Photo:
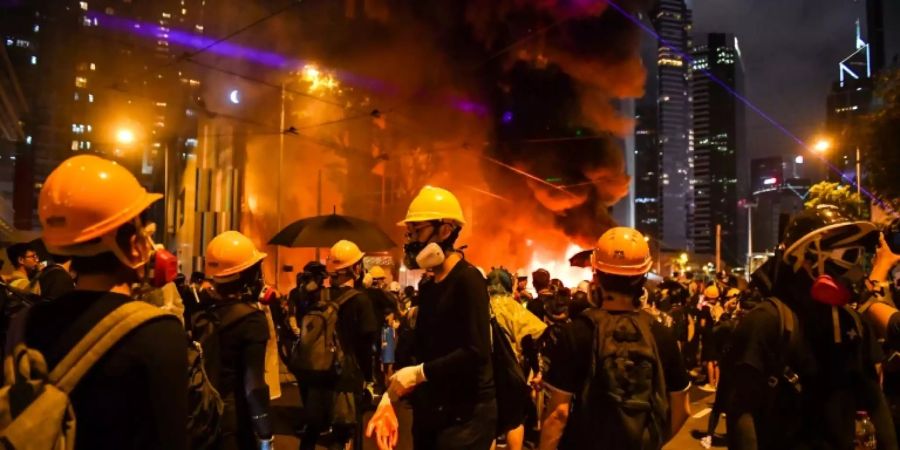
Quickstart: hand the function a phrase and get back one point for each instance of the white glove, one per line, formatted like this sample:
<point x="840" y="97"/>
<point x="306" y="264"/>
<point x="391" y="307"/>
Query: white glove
<point x="406" y="379"/>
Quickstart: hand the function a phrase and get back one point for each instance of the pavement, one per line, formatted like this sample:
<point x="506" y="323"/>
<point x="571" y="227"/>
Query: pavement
<point x="287" y="413"/>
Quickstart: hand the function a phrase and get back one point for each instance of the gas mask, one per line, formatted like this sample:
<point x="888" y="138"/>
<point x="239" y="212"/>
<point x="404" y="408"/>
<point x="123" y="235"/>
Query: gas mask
<point x="836" y="273"/>
<point x="428" y="255"/>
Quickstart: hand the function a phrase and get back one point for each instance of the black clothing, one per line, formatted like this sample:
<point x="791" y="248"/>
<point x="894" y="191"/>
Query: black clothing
<point x="571" y="355"/>
<point x="837" y="379"/>
<point x="134" y="397"/>
<point x="536" y="305"/>
<point x="569" y="359"/>
<point x="476" y="433"/>
<point x="242" y="375"/>
<point x="453" y="339"/>
<point x="55" y="282"/>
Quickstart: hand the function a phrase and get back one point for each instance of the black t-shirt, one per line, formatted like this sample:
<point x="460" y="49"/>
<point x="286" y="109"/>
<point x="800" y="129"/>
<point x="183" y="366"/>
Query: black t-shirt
<point x="569" y="357"/>
<point x="452" y="338"/>
<point x="833" y="376"/>
<point x="358" y="328"/>
<point x="134" y="397"/>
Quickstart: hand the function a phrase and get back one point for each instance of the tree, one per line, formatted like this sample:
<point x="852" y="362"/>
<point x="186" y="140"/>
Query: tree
<point x="881" y="140"/>
<point x="840" y="195"/>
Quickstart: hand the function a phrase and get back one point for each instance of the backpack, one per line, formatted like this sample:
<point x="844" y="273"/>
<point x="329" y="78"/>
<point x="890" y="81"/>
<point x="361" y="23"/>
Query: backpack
<point x="510" y="381"/>
<point x="205" y="405"/>
<point x="624" y="404"/>
<point x="317" y="355"/>
<point x="35" y="410"/>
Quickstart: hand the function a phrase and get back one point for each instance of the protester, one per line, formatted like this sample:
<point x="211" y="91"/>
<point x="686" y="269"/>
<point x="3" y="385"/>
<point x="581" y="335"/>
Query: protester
<point x="804" y="362"/>
<point x="540" y="280"/>
<point x="26" y="267"/>
<point x="722" y="336"/>
<point x="454" y="404"/>
<point x="710" y="310"/>
<point x="522" y="295"/>
<point x="135" y="396"/>
<point x="234" y="265"/>
<point x="334" y="398"/>
<point x="523" y="330"/>
<point x="637" y="398"/>
<point x="388" y="345"/>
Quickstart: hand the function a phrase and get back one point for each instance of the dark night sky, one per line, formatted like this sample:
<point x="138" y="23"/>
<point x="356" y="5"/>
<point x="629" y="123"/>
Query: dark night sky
<point x="790" y="50"/>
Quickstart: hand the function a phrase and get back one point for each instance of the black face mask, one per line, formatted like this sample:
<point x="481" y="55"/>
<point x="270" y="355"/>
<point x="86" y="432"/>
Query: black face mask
<point x="410" y="251"/>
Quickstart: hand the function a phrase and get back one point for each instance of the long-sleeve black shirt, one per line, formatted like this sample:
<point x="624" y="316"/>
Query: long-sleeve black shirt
<point x="134" y="397"/>
<point x="453" y="340"/>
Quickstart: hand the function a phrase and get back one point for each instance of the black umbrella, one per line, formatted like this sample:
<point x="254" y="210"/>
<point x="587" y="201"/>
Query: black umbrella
<point x="325" y="231"/>
<point x="581" y="259"/>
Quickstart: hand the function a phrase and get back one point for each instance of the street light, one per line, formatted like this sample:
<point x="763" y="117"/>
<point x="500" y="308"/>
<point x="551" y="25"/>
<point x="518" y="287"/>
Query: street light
<point x="124" y="136"/>
<point x="822" y="145"/>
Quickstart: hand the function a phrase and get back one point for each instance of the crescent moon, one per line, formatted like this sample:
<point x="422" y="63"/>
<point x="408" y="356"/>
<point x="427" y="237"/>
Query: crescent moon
<point x="234" y="96"/>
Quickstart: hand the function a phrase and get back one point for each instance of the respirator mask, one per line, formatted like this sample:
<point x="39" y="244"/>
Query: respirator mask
<point x="837" y="274"/>
<point x="428" y="255"/>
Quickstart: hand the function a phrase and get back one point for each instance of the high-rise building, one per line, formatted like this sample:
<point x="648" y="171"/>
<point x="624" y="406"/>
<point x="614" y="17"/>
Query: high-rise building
<point x="672" y="20"/>
<point x="776" y="195"/>
<point x="717" y="133"/>
<point x="849" y="99"/>
<point x="96" y="76"/>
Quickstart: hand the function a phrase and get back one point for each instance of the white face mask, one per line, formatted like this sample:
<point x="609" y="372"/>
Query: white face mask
<point x="431" y="256"/>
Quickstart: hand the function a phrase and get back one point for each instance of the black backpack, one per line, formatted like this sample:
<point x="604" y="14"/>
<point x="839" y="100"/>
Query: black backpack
<point x="317" y="355"/>
<point x="513" y="392"/>
<point x="205" y="405"/>
<point x="624" y="404"/>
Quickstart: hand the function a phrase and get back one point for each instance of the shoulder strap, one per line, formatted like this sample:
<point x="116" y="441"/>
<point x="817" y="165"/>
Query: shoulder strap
<point x="103" y="336"/>
<point x="345" y="296"/>
<point x="234" y="313"/>
<point x="788" y="340"/>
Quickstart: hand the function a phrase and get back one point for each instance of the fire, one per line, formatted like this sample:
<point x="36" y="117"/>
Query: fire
<point x="558" y="265"/>
<point x="317" y="79"/>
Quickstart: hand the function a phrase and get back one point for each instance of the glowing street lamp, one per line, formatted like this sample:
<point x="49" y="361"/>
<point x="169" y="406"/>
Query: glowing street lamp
<point x="822" y="145"/>
<point x="125" y="136"/>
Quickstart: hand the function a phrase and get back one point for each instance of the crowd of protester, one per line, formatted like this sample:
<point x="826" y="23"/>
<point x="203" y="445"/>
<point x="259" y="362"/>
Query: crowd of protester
<point x="98" y="325"/>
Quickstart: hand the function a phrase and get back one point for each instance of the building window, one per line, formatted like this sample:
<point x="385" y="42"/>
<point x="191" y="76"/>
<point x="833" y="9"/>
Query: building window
<point x="33" y="60"/>
<point x="83" y="5"/>
<point x="76" y="97"/>
<point x="109" y="11"/>
<point x="80" y="82"/>
<point x="89" y="129"/>
<point x="28" y="140"/>
<point x="93" y="66"/>
<point x="9" y="42"/>
<point x="90" y="98"/>
<point x="37" y="28"/>
<point x="22" y="43"/>
<point x="74" y="145"/>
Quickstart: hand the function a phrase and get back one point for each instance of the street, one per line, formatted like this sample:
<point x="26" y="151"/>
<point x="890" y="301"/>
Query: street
<point x="287" y="413"/>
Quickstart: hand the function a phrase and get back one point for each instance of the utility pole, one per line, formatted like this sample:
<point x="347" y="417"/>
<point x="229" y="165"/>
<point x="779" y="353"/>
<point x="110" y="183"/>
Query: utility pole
<point x="278" y="191"/>
<point x="718" y="247"/>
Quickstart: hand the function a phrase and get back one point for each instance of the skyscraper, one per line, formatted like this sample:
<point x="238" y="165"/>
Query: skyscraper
<point x="883" y="33"/>
<point x="848" y="100"/>
<point x="672" y="21"/>
<point x="717" y="119"/>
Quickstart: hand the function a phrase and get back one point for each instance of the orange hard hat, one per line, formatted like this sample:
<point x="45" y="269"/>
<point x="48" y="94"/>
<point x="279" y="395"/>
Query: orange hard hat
<point x="343" y="255"/>
<point x="712" y="291"/>
<point x="622" y="251"/>
<point x="85" y="198"/>
<point x="229" y="254"/>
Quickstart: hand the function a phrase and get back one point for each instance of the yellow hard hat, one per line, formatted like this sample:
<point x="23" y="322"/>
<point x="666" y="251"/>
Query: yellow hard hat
<point x="434" y="203"/>
<point x="622" y="251"/>
<point x="85" y="198"/>
<point x="343" y="255"/>
<point x="711" y="291"/>
<point x="377" y="273"/>
<point x="733" y="293"/>
<point x="229" y="254"/>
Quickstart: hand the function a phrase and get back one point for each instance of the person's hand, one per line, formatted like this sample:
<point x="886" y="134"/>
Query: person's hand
<point x="537" y="382"/>
<point x="406" y="379"/>
<point x="884" y="260"/>
<point x="383" y="426"/>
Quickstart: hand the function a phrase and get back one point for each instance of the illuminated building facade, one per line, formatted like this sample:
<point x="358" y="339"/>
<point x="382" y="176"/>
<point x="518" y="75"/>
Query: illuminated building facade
<point x="717" y="130"/>
<point x="672" y="20"/>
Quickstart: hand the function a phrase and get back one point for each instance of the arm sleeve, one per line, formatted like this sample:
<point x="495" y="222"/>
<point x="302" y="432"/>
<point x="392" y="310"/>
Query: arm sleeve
<point x="367" y="335"/>
<point x="253" y="358"/>
<point x="677" y="378"/>
<point x="163" y="350"/>
<point x="567" y="349"/>
<point x="475" y="330"/>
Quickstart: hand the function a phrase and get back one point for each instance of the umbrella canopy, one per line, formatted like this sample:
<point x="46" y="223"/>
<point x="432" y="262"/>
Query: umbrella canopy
<point x="325" y="231"/>
<point x="581" y="259"/>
